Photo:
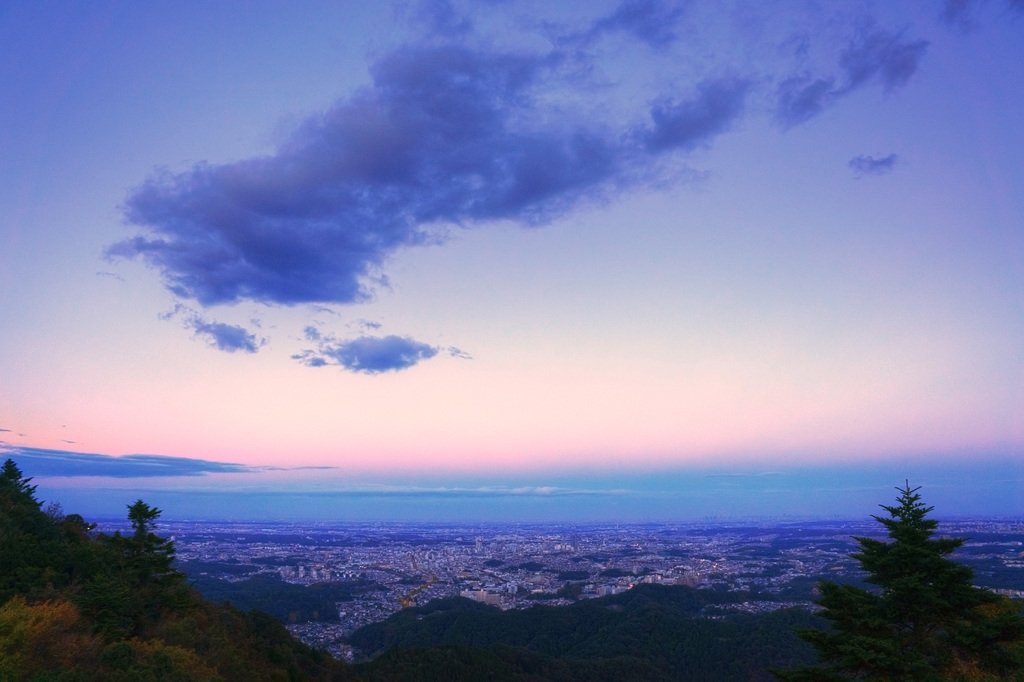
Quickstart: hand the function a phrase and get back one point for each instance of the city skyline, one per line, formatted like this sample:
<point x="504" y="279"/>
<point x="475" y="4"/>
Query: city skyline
<point x="514" y="260"/>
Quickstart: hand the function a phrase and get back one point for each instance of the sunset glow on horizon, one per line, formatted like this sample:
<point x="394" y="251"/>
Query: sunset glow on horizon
<point x="492" y="246"/>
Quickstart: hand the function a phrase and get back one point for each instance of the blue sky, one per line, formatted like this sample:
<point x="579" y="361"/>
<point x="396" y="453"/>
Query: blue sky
<point x="561" y="253"/>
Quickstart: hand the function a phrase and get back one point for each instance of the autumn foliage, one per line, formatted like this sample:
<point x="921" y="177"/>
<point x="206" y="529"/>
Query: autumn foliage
<point x="80" y="606"/>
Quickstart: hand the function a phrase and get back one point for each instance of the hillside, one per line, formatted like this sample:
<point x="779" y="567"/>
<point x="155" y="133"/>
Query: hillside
<point x="651" y="631"/>
<point x="82" y="606"/>
<point x="76" y="606"/>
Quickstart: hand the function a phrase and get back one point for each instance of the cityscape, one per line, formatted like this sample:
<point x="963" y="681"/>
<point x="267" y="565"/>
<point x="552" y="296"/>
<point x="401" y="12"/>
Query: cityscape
<point x="384" y="568"/>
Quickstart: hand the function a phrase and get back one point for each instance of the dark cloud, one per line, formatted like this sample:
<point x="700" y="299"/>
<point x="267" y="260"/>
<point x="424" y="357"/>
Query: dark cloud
<point x="872" y="55"/>
<point x="435" y="139"/>
<point x="651" y="21"/>
<point x="5" y="430"/>
<point x="225" y="337"/>
<point x="869" y="165"/>
<point x="693" y="123"/>
<point x="45" y="462"/>
<point x="446" y="135"/>
<point x="369" y="354"/>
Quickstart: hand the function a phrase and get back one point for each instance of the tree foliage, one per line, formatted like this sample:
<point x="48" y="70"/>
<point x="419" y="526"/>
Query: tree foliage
<point x="80" y="607"/>
<point x="651" y="632"/>
<point x="924" y="621"/>
<point x="34" y="555"/>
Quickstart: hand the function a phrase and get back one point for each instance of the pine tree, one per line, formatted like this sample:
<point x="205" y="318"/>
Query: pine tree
<point x="925" y="621"/>
<point x="138" y="583"/>
<point x="153" y="556"/>
<point x="13" y="483"/>
<point x="33" y="554"/>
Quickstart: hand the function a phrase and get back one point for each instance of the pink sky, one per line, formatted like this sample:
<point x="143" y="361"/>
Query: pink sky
<point x="700" y="236"/>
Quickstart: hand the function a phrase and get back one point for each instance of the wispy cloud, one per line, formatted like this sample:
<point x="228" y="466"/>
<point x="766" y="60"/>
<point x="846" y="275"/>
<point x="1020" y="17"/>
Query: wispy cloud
<point x="458" y="353"/>
<point x="878" y="54"/>
<point x="959" y="13"/>
<point x="225" y="337"/>
<point x="964" y="15"/>
<point x="873" y="54"/>
<point x="440" y="18"/>
<point x="220" y="335"/>
<point x="46" y="462"/>
<point x="650" y="21"/>
<point x="801" y="98"/>
<point x="870" y="165"/>
<point x="468" y="491"/>
<point x="695" y="122"/>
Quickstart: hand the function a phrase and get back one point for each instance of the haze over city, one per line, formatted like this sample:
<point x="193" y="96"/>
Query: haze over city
<point x="513" y="261"/>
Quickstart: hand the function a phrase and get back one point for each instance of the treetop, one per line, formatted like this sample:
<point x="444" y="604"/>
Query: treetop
<point x="143" y="517"/>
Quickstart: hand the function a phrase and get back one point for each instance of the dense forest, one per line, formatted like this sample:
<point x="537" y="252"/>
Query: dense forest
<point x="652" y="631"/>
<point x="287" y="602"/>
<point x="81" y="606"/>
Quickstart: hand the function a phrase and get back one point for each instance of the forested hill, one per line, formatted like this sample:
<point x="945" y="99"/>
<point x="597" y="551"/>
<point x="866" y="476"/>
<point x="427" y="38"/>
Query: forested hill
<point x="76" y="606"/>
<point x="81" y="606"/>
<point x="649" y="632"/>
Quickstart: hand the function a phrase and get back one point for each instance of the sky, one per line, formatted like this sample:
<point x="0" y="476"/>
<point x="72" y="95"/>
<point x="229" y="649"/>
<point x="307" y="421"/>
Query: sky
<point x="437" y="260"/>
